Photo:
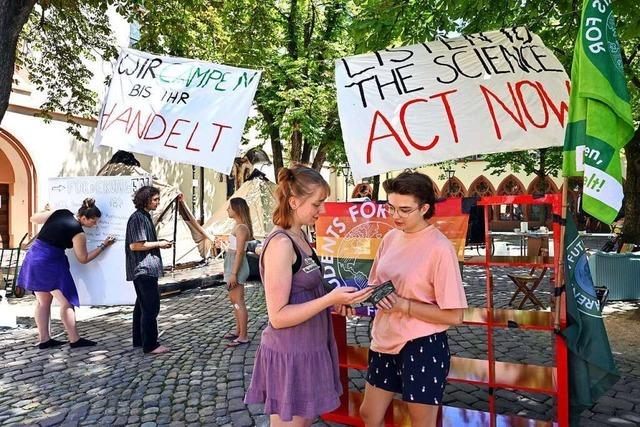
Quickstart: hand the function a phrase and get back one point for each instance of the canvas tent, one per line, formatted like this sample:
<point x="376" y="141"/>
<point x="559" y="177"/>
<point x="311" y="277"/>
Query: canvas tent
<point x="192" y="242"/>
<point x="260" y="196"/>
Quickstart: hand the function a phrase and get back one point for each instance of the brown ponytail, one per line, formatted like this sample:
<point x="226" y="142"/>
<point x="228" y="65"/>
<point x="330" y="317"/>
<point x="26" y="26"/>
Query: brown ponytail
<point x="89" y="209"/>
<point x="299" y="181"/>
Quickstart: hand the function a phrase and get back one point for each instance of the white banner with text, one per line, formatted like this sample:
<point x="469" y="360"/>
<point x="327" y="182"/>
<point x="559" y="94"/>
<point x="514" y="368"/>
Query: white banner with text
<point x="178" y="109"/>
<point x="416" y="105"/>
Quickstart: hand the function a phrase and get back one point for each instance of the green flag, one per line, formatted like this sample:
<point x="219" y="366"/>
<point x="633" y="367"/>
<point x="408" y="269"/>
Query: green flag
<point x="600" y="121"/>
<point x="591" y="367"/>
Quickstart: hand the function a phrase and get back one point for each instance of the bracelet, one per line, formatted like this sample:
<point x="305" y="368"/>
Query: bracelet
<point x="102" y="246"/>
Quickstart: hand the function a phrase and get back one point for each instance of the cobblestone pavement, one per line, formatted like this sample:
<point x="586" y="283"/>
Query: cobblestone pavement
<point x="201" y="382"/>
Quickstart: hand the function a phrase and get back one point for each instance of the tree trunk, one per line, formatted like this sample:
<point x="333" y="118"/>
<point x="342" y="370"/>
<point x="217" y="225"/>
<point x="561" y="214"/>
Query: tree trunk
<point x="631" y="230"/>
<point x="320" y="157"/>
<point x="306" y="152"/>
<point x="274" y="137"/>
<point x="13" y="16"/>
<point x="295" y="153"/>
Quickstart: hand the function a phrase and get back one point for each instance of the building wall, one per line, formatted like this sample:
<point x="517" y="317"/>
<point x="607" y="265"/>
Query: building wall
<point x="466" y="174"/>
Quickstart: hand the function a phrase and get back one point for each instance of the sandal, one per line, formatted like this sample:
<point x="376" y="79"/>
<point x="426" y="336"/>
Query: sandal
<point x="236" y="343"/>
<point x="230" y="336"/>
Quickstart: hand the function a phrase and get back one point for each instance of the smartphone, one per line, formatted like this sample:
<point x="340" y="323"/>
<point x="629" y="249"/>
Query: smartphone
<point x="380" y="292"/>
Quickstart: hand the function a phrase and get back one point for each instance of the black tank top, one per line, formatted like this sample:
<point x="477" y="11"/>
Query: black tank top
<point x="60" y="229"/>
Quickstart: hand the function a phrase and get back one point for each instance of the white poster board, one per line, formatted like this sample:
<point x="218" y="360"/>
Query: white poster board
<point x="451" y="98"/>
<point x="178" y="109"/>
<point x="103" y="280"/>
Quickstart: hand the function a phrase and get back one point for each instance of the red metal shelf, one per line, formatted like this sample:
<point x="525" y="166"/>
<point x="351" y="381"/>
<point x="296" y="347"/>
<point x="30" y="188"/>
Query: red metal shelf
<point x="449" y="416"/>
<point x="508" y="318"/>
<point x="515" y="376"/>
<point x="511" y="261"/>
<point x="487" y="373"/>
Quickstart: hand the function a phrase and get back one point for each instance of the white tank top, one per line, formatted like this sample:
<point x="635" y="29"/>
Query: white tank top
<point x="233" y="243"/>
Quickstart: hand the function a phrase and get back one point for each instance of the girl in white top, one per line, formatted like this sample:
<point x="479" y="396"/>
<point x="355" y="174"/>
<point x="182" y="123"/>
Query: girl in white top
<point x="236" y="267"/>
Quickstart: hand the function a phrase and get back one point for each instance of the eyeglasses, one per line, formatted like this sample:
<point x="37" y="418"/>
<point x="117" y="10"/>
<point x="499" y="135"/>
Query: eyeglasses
<point x="402" y="212"/>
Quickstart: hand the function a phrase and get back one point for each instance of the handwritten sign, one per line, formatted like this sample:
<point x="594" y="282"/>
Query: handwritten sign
<point x="483" y="93"/>
<point x="176" y="108"/>
<point x="103" y="280"/>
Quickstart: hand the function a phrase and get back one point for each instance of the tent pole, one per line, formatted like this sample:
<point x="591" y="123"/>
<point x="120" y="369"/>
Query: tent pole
<point x="175" y="233"/>
<point x="201" y="195"/>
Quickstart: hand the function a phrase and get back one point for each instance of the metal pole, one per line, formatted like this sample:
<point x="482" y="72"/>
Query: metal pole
<point x="193" y="188"/>
<point x="560" y="314"/>
<point x="175" y="232"/>
<point x="201" y="195"/>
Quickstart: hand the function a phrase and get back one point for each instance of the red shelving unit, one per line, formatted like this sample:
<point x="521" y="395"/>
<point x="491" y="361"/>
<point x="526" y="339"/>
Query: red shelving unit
<point x="482" y="372"/>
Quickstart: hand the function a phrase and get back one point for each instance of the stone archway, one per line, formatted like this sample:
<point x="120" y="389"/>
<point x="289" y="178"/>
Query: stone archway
<point x="23" y="191"/>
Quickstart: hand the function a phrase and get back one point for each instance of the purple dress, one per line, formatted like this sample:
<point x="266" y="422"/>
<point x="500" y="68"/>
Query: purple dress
<point x="296" y="368"/>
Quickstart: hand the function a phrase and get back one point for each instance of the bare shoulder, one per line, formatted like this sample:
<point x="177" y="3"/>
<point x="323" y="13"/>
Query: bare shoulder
<point x="241" y="228"/>
<point x="280" y="244"/>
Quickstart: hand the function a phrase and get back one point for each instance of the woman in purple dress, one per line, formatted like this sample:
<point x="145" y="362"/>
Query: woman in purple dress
<point x="296" y="370"/>
<point x="45" y="270"/>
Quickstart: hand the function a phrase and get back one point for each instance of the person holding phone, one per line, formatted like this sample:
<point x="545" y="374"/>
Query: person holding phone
<point x="144" y="267"/>
<point x="409" y="353"/>
<point x="296" y="365"/>
<point x="45" y="270"/>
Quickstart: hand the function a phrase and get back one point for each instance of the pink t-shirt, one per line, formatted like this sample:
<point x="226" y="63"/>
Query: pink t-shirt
<point x="423" y="266"/>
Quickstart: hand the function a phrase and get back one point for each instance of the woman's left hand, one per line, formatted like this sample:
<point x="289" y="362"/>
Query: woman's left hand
<point x="393" y="303"/>
<point x="233" y="281"/>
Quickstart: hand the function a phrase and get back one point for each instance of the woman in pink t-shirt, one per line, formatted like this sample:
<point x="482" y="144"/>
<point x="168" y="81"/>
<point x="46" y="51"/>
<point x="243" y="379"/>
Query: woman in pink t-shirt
<point x="409" y="353"/>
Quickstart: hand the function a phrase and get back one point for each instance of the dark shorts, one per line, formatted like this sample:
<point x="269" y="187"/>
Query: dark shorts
<point x="419" y="372"/>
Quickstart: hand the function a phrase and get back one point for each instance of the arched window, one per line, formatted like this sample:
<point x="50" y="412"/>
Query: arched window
<point x="510" y="186"/>
<point x="453" y="188"/>
<point x="541" y="213"/>
<point x="481" y="187"/>
<point x="542" y="186"/>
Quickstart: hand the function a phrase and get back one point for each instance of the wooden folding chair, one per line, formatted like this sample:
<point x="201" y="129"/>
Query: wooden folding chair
<point x="528" y="283"/>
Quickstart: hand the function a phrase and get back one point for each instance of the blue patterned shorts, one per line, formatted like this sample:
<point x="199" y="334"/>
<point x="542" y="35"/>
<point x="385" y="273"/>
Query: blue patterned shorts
<point x="419" y="372"/>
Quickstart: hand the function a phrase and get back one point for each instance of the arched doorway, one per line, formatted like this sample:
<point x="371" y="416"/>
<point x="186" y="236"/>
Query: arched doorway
<point x="7" y="180"/>
<point x="22" y="192"/>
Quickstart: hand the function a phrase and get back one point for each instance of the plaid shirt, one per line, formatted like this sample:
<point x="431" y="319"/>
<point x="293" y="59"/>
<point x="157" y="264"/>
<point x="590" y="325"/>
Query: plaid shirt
<point x="142" y="263"/>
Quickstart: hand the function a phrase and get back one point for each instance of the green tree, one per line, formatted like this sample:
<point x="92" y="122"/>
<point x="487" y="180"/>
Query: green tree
<point x="292" y="41"/>
<point x="383" y="23"/>
<point x="54" y="40"/>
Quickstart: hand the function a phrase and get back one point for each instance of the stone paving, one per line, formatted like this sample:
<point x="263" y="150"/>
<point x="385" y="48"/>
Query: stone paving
<point x="201" y="382"/>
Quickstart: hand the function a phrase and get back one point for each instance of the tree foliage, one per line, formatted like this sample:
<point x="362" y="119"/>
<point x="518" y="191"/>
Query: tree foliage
<point x="383" y="23"/>
<point x="295" y="43"/>
<point x="292" y="41"/>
